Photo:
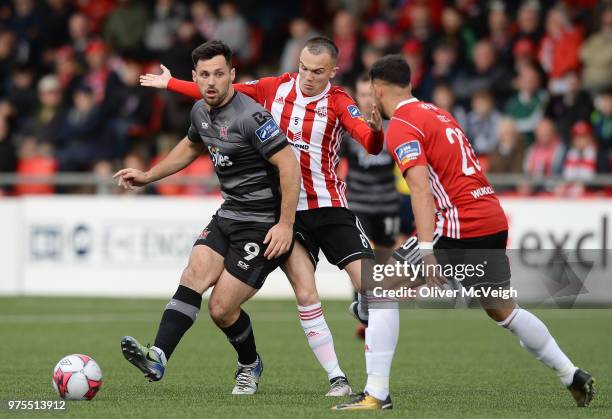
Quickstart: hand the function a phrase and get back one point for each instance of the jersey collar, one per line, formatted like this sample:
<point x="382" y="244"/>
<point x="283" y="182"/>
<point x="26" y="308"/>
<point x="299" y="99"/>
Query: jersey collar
<point x="309" y="99"/>
<point x="405" y="102"/>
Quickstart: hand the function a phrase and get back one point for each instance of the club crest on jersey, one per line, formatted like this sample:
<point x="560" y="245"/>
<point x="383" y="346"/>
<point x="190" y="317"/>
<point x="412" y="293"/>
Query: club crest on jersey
<point x="354" y="111"/>
<point x="204" y="234"/>
<point x="268" y="130"/>
<point x="408" y="151"/>
<point x="321" y="111"/>
<point x="223" y="133"/>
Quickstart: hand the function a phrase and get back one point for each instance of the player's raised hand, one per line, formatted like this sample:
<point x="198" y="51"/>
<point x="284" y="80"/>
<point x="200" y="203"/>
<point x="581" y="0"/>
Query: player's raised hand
<point x="375" y="121"/>
<point x="278" y="239"/>
<point x="159" y="81"/>
<point x="130" y="178"/>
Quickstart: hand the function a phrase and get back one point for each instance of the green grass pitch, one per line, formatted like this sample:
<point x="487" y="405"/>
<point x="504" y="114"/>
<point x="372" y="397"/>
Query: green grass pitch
<point x="449" y="363"/>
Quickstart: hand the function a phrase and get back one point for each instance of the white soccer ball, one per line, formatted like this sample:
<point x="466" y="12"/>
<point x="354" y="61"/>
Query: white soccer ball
<point x="77" y="377"/>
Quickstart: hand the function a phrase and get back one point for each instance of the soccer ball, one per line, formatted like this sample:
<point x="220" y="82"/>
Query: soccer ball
<point x="77" y="377"/>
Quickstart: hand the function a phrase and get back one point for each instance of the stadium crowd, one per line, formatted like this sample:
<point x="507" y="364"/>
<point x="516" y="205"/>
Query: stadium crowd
<point x="530" y="81"/>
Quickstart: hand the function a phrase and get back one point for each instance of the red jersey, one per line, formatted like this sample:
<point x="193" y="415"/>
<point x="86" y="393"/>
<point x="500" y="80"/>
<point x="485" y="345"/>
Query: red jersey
<point x="314" y="125"/>
<point x="421" y="134"/>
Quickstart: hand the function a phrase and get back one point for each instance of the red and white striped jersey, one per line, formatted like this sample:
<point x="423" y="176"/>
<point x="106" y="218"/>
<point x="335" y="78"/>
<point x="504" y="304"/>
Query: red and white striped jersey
<point x="421" y="134"/>
<point x="314" y="125"/>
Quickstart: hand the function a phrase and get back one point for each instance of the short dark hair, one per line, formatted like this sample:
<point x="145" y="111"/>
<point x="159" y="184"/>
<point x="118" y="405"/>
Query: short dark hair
<point x="321" y="44"/>
<point x="211" y="49"/>
<point x="363" y="77"/>
<point x="392" y="69"/>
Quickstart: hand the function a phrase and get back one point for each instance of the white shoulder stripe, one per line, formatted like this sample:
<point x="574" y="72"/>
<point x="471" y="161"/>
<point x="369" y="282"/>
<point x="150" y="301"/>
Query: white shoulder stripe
<point x="408" y="123"/>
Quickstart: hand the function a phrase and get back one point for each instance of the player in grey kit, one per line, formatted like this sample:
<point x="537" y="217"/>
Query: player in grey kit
<point x="252" y="232"/>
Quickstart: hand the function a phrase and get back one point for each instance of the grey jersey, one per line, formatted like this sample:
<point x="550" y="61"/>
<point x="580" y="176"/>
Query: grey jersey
<point x="240" y="137"/>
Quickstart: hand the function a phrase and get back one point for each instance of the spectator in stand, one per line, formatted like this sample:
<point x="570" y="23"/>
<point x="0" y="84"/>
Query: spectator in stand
<point x="528" y="22"/>
<point x="348" y="41"/>
<point x="21" y="98"/>
<point x="482" y="123"/>
<point x="26" y="23"/>
<point x="204" y="19"/>
<point x="524" y="53"/>
<point x="98" y="69"/>
<point x="546" y="156"/>
<point x="7" y="56"/>
<point x="81" y="139"/>
<point x="421" y="28"/>
<point x="8" y="156"/>
<point x="128" y="106"/>
<point x="559" y="49"/>
<point x="160" y="34"/>
<point x="125" y="27"/>
<point x="444" y="98"/>
<point x="67" y="71"/>
<point x="500" y="31"/>
<point x="527" y="106"/>
<point x="443" y="70"/>
<point x="380" y="35"/>
<point x="369" y="55"/>
<point x="412" y="50"/>
<point x="80" y="34"/>
<point x="581" y="158"/>
<point x="96" y="11"/>
<point x="54" y="26"/>
<point x="300" y="31"/>
<point x="572" y="106"/>
<point x="460" y="36"/>
<point x="509" y="153"/>
<point x="596" y="55"/>
<point x="44" y="124"/>
<point x="234" y="30"/>
<point x="601" y="119"/>
<point x="485" y="74"/>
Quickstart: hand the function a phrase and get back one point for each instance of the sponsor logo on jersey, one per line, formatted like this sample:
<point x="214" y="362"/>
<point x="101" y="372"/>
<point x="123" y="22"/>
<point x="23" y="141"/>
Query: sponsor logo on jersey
<point x="354" y="111"/>
<point x="428" y="106"/>
<point x="443" y="118"/>
<point x="218" y="159"/>
<point x="485" y="190"/>
<point x="280" y="100"/>
<point x="252" y="82"/>
<point x="243" y="265"/>
<point x="300" y="145"/>
<point x="408" y="151"/>
<point x="268" y="130"/>
<point x="205" y="125"/>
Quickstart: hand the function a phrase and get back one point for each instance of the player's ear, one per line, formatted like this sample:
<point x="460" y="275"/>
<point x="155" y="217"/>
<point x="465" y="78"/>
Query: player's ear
<point x="233" y="74"/>
<point x="193" y="75"/>
<point x="333" y="72"/>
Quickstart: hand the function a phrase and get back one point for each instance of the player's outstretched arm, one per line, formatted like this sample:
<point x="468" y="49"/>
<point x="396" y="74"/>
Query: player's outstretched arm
<point x="424" y="211"/>
<point x="179" y="157"/>
<point x="280" y="236"/>
<point x="368" y="133"/>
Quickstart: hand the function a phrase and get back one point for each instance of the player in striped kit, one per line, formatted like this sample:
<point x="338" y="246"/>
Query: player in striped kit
<point x="459" y="220"/>
<point x="314" y="115"/>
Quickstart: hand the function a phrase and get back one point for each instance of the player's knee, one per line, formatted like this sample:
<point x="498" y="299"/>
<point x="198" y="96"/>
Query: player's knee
<point x="306" y="296"/>
<point x="498" y="314"/>
<point x="193" y="279"/>
<point x="220" y="312"/>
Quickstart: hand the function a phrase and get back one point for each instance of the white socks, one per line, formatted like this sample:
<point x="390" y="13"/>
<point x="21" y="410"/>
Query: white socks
<point x="320" y="339"/>
<point x="381" y="339"/>
<point x="535" y="337"/>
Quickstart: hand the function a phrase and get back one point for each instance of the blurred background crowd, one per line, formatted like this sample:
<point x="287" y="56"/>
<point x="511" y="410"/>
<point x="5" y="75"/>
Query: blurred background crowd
<point x="530" y="81"/>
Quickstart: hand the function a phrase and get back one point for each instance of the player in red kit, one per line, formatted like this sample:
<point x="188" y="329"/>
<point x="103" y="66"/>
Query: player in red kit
<point x="458" y="219"/>
<point x="314" y="115"/>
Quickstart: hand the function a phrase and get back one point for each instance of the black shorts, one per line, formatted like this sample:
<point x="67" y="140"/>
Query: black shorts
<point x="334" y="230"/>
<point x="487" y="254"/>
<point x="380" y="228"/>
<point x="241" y="245"/>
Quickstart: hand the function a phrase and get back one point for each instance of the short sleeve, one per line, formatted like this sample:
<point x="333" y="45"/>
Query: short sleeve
<point x="264" y="133"/>
<point x="192" y="133"/>
<point x="405" y="145"/>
